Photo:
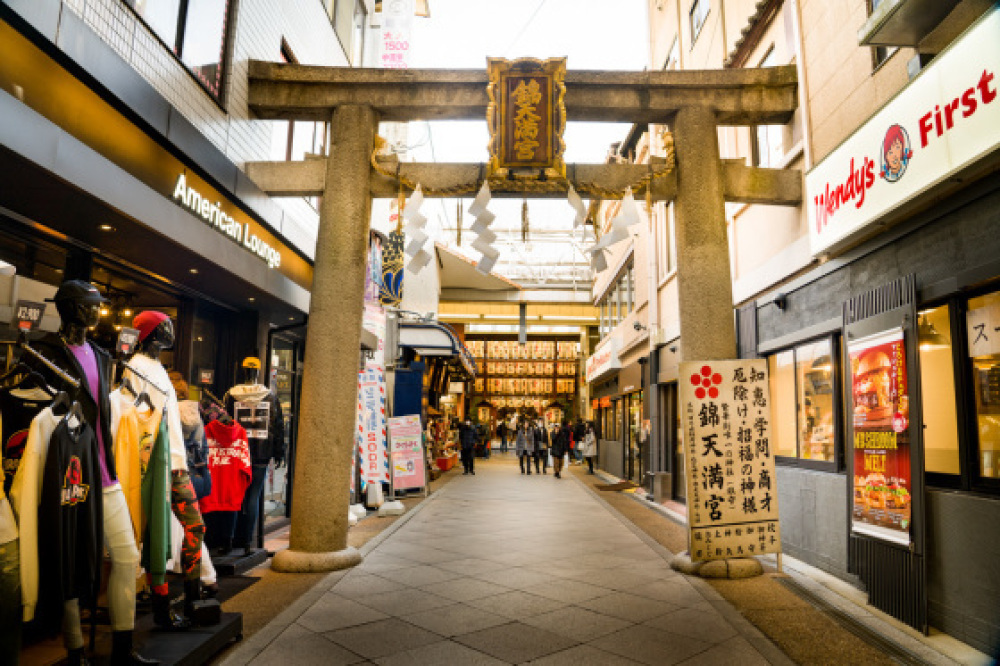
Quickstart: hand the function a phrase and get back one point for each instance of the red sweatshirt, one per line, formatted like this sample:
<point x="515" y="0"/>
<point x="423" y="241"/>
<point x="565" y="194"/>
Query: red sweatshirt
<point x="229" y="465"/>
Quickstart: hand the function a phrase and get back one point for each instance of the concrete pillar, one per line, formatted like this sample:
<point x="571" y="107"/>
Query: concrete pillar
<point x="330" y="376"/>
<point x="705" y="291"/>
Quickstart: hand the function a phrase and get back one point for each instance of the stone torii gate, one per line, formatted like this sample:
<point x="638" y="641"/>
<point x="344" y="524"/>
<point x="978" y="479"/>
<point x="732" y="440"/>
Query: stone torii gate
<point x="354" y="101"/>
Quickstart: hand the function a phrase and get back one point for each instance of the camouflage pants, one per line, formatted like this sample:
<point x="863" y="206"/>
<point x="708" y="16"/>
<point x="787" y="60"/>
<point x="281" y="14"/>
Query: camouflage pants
<point x="185" y="505"/>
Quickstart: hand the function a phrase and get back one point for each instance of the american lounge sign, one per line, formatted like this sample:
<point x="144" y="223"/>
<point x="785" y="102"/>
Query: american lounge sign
<point x="943" y="121"/>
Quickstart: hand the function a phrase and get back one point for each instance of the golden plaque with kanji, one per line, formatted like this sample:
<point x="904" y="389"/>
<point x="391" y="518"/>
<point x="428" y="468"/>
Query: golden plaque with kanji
<point x="527" y="117"/>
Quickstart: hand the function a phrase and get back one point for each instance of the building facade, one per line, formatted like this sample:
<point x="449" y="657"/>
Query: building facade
<point x="896" y="236"/>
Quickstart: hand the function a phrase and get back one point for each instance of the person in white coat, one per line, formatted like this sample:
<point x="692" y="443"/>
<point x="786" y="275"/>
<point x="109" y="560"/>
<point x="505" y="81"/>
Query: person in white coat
<point x="589" y="448"/>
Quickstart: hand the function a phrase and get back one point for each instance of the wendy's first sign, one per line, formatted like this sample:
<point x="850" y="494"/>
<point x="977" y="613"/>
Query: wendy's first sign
<point x="527" y="117"/>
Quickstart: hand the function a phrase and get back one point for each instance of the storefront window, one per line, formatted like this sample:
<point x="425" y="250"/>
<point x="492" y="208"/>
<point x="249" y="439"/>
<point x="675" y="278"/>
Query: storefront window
<point x="937" y="387"/>
<point x="803" y="381"/>
<point x="814" y="375"/>
<point x="195" y="30"/>
<point x="984" y="349"/>
<point x="781" y="369"/>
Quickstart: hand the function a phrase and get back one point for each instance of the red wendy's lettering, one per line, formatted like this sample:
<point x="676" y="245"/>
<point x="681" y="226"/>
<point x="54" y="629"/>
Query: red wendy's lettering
<point x="944" y="118"/>
<point x="854" y="187"/>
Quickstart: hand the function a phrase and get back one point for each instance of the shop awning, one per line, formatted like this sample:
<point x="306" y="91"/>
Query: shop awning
<point x="458" y="272"/>
<point x="430" y="338"/>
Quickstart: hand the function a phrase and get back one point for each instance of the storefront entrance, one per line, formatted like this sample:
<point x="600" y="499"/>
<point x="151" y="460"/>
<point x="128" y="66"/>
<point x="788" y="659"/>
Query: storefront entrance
<point x="285" y="352"/>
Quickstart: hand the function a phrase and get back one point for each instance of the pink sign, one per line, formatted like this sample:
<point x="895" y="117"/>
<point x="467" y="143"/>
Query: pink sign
<point x="405" y="441"/>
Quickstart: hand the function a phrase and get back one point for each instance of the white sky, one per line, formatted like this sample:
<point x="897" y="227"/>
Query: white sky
<point x="461" y="34"/>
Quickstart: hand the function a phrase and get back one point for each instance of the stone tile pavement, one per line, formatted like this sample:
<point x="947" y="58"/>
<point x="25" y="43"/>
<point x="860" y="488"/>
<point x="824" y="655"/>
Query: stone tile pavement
<point x="502" y="568"/>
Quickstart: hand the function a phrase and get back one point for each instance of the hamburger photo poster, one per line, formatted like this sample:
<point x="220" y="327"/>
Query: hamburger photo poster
<point x="880" y="413"/>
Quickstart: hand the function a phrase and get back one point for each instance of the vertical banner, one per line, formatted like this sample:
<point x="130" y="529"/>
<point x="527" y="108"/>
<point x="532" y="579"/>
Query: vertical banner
<point x="394" y="35"/>
<point x="881" y="459"/>
<point x="407" y="452"/>
<point x="731" y="485"/>
<point x="375" y="458"/>
<point x="392" y="266"/>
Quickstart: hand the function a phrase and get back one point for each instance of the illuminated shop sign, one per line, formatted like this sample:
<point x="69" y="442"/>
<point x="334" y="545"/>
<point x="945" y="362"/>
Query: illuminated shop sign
<point x="223" y="222"/>
<point x="945" y="120"/>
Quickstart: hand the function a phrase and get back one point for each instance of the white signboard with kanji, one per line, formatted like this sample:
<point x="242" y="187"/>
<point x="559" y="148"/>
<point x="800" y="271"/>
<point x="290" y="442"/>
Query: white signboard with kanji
<point x="394" y="35"/>
<point x="732" y="491"/>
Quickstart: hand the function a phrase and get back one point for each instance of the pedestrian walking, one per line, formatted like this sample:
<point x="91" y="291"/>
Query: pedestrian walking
<point x="560" y="447"/>
<point x="579" y="432"/>
<point x="502" y="431"/>
<point x="589" y="449"/>
<point x="467" y="440"/>
<point x="524" y="448"/>
<point x="541" y="448"/>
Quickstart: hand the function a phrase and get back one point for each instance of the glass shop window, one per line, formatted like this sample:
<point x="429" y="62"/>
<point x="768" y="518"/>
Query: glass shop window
<point x="195" y="30"/>
<point x="803" y="383"/>
<point x="937" y="388"/>
<point x="984" y="351"/>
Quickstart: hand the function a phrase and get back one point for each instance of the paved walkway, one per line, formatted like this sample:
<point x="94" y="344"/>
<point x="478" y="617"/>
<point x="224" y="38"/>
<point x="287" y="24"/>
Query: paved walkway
<point x="501" y="568"/>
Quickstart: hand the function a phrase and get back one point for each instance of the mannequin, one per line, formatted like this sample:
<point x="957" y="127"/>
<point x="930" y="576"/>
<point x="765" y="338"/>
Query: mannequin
<point x="266" y="438"/>
<point x="156" y="333"/>
<point x="78" y="304"/>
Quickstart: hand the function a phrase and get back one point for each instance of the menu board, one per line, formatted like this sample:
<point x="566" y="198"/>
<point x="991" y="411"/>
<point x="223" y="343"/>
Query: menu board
<point x="731" y="483"/>
<point x="880" y="409"/>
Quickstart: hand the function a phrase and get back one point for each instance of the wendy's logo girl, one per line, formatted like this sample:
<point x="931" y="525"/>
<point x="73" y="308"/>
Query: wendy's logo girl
<point x="896" y="153"/>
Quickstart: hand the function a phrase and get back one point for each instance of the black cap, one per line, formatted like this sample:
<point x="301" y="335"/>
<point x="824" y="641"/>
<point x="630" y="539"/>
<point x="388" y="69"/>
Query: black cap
<point x="78" y="290"/>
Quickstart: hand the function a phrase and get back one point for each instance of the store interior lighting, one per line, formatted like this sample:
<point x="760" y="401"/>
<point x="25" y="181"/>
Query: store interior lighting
<point x="929" y="337"/>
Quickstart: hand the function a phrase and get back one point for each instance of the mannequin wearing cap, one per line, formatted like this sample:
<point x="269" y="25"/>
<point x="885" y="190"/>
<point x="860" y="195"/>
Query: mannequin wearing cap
<point x="156" y="333"/>
<point x="78" y="304"/>
<point x="265" y="437"/>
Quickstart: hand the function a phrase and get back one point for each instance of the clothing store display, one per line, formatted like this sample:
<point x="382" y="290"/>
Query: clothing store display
<point x="134" y="434"/>
<point x="156" y="485"/>
<point x="229" y="466"/>
<point x="185" y="506"/>
<point x="256" y="408"/>
<point x="17" y="409"/>
<point x="95" y="401"/>
<point x="25" y="497"/>
<point x="10" y="601"/>
<point x="71" y="548"/>
<point x="196" y="445"/>
<point x="163" y="397"/>
<point x="120" y="542"/>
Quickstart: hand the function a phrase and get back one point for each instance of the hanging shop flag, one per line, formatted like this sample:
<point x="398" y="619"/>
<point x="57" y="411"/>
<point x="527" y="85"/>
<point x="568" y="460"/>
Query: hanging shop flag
<point x="731" y="483"/>
<point x="881" y="413"/>
<point x="407" y="452"/>
<point x="394" y="34"/>
<point x="527" y="116"/>
<point x="391" y="293"/>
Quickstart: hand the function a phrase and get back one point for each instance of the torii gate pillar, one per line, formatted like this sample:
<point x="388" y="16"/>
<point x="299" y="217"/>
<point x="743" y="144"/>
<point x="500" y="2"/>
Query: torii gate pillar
<point x="330" y="379"/>
<point x="704" y="283"/>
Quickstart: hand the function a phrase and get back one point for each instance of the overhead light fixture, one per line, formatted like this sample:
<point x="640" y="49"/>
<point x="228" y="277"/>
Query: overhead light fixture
<point x="251" y="299"/>
<point x="822" y="363"/>
<point x="106" y="227"/>
<point x="127" y="312"/>
<point x="194" y="271"/>
<point x="928" y="336"/>
<point x="105" y="312"/>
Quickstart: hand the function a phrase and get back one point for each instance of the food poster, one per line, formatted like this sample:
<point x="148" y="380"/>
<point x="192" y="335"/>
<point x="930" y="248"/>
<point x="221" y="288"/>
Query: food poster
<point x="881" y="417"/>
<point x="407" y="452"/>
<point x="732" y="487"/>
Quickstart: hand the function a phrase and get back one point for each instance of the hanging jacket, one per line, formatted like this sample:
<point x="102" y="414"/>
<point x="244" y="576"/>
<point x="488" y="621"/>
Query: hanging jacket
<point x="156" y="506"/>
<point x="52" y="347"/>
<point x="197" y="447"/>
<point x="229" y="465"/>
<point x="163" y="396"/>
<point x="262" y="449"/>
<point x="25" y="497"/>
<point x="135" y="436"/>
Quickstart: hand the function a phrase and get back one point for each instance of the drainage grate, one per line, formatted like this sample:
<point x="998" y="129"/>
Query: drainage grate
<point x="887" y="647"/>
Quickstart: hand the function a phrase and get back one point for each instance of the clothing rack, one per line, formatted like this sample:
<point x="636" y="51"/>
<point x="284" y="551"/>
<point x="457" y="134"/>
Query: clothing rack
<point x="212" y="397"/>
<point x="59" y="372"/>
<point x="142" y="377"/>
